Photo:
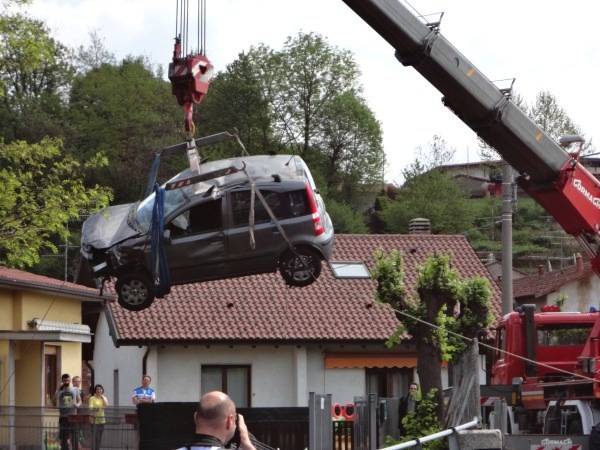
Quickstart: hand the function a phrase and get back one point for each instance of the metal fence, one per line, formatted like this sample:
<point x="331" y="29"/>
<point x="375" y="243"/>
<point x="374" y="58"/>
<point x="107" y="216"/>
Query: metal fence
<point x="33" y="428"/>
<point x="343" y="435"/>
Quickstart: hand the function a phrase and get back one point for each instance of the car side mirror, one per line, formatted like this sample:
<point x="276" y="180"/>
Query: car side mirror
<point x="167" y="235"/>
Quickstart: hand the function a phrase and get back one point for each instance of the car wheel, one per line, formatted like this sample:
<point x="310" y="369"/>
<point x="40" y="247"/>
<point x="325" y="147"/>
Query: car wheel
<point x="135" y="291"/>
<point x="300" y="267"/>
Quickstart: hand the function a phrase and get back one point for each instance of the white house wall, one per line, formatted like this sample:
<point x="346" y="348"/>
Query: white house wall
<point x="342" y="384"/>
<point x="581" y="294"/>
<point x="107" y="359"/>
<point x="272" y="372"/>
<point x="281" y="375"/>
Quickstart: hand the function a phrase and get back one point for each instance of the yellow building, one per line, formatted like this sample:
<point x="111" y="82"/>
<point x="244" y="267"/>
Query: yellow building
<point x="41" y="335"/>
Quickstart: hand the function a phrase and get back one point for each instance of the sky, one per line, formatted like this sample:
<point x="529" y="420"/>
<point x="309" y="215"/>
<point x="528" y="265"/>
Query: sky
<point x="546" y="45"/>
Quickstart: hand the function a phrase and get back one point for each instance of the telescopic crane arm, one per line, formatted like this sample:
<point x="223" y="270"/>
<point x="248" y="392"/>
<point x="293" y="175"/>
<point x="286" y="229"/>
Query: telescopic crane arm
<point x="548" y="173"/>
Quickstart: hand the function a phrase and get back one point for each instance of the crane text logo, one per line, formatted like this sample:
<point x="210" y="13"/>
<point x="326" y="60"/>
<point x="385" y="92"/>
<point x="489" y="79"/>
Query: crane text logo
<point x="587" y="194"/>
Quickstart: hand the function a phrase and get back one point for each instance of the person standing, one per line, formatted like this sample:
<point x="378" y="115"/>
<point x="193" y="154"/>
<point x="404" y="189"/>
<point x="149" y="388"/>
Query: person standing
<point x="408" y="403"/>
<point x="67" y="399"/>
<point x="77" y="430"/>
<point x="144" y="393"/>
<point x="77" y="386"/>
<point x="97" y="403"/>
<point x="216" y="423"/>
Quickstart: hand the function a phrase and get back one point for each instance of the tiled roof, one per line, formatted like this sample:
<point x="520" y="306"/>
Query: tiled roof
<point x="263" y="308"/>
<point x="22" y="279"/>
<point x="539" y="285"/>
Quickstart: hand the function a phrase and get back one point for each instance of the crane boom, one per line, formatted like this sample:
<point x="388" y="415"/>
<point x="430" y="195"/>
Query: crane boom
<point x="549" y="174"/>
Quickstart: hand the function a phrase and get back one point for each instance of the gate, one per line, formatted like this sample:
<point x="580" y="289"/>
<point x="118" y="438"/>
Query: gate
<point x="320" y="429"/>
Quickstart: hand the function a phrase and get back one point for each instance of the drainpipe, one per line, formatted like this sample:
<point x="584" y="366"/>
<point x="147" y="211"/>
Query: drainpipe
<point x="145" y="361"/>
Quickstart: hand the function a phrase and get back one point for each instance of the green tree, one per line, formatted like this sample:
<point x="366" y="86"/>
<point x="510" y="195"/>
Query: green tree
<point x="441" y="292"/>
<point x="346" y="219"/>
<point x="236" y="101"/>
<point x="303" y="98"/>
<point x="435" y="154"/>
<point x="41" y="189"/>
<point x="434" y="196"/>
<point x="35" y="76"/>
<point x="311" y="74"/>
<point x="126" y="112"/>
<point x="429" y="193"/>
<point x="94" y="55"/>
<point x="350" y="139"/>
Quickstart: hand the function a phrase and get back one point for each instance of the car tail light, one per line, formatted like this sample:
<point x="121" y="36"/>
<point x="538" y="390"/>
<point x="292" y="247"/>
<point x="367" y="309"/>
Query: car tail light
<point x="314" y="210"/>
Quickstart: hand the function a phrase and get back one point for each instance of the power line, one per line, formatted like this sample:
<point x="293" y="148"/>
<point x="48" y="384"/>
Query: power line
<point x="491" y="347"/>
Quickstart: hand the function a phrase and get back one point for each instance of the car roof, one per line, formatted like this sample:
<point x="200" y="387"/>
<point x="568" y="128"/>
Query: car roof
<point x="260" y="167"/>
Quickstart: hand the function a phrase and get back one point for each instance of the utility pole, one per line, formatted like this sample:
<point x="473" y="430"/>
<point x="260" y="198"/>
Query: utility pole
<point x="507" y="260"/>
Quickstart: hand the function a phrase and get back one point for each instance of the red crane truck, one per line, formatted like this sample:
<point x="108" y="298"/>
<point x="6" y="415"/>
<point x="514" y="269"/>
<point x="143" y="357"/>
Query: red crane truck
<point x="559" y="394"/>
<point x="568" y="342"/>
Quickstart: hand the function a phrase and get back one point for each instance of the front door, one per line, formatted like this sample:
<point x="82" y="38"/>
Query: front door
<point x="50" y="374"/>
<point x="196" y="250"/>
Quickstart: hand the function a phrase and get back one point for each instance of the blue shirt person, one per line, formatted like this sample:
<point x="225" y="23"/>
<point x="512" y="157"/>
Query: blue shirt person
<point x="144" y="393"/>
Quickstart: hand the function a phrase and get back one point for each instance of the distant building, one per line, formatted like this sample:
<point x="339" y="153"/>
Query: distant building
<point x="576" y="286"/>
<point x="483" y="178"/>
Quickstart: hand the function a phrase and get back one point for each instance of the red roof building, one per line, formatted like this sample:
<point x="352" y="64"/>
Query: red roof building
<point x="331" y="330"/>
<point x="576" y="287"/>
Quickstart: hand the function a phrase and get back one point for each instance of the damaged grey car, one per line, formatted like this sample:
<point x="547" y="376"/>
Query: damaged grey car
<point x="215" y="229"/>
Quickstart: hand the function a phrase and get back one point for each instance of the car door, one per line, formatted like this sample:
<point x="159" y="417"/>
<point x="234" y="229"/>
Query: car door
<point x="242" y="258"/>
<point x="196" y="248"/>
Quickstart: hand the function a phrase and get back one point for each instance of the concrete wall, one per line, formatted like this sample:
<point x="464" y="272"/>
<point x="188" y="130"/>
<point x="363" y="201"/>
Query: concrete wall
<point x="107" y="359"/>
<point x="581" y="294"/>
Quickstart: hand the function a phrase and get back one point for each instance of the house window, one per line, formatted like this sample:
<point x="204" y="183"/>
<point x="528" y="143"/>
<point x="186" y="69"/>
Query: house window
<point x="576" y="334"/>
<point x="350" y="270"/>
<point x="233" y="380"/>
<point x="389" y="382"/>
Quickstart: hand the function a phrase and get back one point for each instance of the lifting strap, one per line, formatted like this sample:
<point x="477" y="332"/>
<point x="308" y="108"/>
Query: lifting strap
<point x="161" y="276"/>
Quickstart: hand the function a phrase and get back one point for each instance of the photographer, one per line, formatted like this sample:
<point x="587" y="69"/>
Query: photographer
<point x="216" y="424"/>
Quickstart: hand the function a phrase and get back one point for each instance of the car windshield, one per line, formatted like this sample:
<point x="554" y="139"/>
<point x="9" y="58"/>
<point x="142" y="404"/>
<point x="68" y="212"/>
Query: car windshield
<point x="173" y="200"/>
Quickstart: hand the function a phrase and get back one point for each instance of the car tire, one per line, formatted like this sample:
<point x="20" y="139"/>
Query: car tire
<point x="135" y="290"/>
<point x="300" y="267"/>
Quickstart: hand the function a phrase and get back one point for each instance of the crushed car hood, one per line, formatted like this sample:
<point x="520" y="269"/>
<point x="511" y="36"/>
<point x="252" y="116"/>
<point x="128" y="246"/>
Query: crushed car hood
<point x="107" y="227"/>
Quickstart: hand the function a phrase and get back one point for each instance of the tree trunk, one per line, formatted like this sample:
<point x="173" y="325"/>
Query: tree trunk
<point x="429" y="365"/>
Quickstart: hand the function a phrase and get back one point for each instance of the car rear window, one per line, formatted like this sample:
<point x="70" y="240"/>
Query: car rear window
<point x="283" y="204"/>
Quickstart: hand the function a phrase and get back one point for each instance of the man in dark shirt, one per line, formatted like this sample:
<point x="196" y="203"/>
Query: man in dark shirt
<point x="216" y="422"/>
<point x="408" y="403"/>
<point x="67" y="400"/>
